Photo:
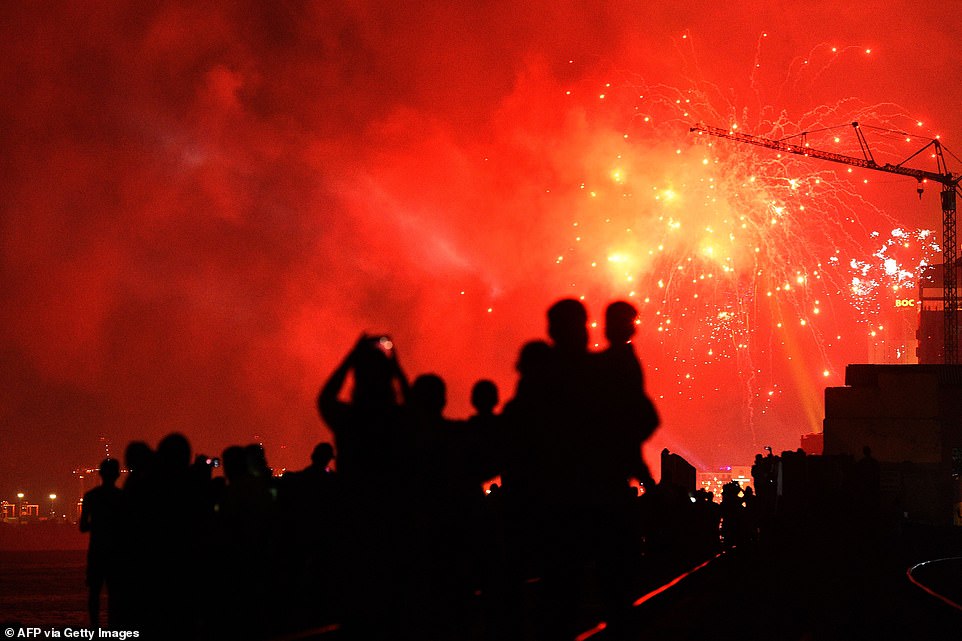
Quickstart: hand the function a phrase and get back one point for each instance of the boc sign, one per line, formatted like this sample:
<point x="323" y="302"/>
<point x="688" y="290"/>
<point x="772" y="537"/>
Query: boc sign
<point x="905" y="302"/>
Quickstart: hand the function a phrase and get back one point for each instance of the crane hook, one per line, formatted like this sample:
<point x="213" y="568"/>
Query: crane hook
<point x="919" y="190"/>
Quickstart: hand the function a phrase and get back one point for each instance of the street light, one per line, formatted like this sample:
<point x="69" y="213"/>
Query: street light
<point x="53" y="512"/>
<point x="20" y="506"/>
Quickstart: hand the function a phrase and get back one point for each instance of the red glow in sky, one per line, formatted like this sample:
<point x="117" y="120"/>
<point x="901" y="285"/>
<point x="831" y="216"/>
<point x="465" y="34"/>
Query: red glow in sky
<point x="204" y="204"/>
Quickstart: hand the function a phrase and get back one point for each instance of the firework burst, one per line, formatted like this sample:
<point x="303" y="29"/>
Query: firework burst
<point x="749" y="267"/>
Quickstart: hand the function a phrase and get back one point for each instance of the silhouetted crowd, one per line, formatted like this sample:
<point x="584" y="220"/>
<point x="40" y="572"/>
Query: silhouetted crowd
<point x="402" y="541"/>
<point x="795" y="493"/>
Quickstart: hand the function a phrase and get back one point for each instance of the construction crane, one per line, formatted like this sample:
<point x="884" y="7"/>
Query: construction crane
<point x="948" y="180"/>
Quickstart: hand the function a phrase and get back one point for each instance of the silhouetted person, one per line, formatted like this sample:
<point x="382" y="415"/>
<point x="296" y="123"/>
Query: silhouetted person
<point x="706" y="518"/>
<point x="546" y="482"/>
<point x="201" y="478"/>
<point x="520" y="433"/>
<point x="308" y="542"/>
<point x="549" y="409"/>
<point x="522" y="495"/>
<point x="629" y="417"/>
<point x="748" y="524"/>
<point x="373" y="456"/>
<point x="568" y="407"/>
<point x="174" y="516"/>
<point x="310" y="491"/>
<point x="133" y="589"/>
<point x="103" y="516"/>
<point x="731" y="513"/>
<point x="765" y="482"/>
<point x="366" y="429"/>
<point x="485" y="430"/>
<point x="619" y="418"/>
<point x="447" y="504"/>
<point x="244" y="518"/>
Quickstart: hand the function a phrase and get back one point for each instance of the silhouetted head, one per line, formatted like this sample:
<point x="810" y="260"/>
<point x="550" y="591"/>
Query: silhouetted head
<point x="534" y="358"/>
<point x="373" y="376"/>
<point x="109" y="470"/>
<point x="620" y="322"/>
<point x="322" y="455"/>
<point x="138" y="456"/>
<point x="568" y="325"/>
<point x="234" y="459"/>
<point x="173" y="452"/>
<point x="484" y="396"/>
<point x="428" y="395"/>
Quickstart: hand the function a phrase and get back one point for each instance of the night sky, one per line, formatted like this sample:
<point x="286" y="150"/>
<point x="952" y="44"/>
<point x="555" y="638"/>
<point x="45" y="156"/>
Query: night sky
<point x="204" y="203"/>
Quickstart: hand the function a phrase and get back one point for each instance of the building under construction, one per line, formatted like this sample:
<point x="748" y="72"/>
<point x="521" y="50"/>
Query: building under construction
<point x="931" y="308"/>
<point x="910" y="416"/>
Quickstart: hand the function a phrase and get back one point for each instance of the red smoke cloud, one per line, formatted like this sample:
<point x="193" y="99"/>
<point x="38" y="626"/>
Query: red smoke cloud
<point x="204" y="204"/>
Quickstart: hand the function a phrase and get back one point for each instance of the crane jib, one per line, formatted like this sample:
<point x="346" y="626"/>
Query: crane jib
<point x="947" y="179"/>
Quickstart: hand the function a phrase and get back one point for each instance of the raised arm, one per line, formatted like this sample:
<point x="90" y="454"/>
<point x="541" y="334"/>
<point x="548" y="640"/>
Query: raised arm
<point x="399" y="374"/>
<point x="328" y="402"/>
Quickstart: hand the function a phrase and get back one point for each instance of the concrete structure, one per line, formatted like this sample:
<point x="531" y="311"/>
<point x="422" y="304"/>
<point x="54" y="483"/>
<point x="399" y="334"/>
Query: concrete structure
<point x="911" y="418"/>
<point x="813" y="443"/>
<point x="931" y="303"/>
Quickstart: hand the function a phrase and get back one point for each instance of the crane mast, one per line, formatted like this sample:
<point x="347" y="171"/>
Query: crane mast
<point x="943" y="176"/>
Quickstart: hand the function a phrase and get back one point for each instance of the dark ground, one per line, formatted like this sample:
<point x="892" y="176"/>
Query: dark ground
<point x="816" y="586"/>
<point x="812" y="587"/>
<point x="43" y="588"/>
<point x="820" y="588"/>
